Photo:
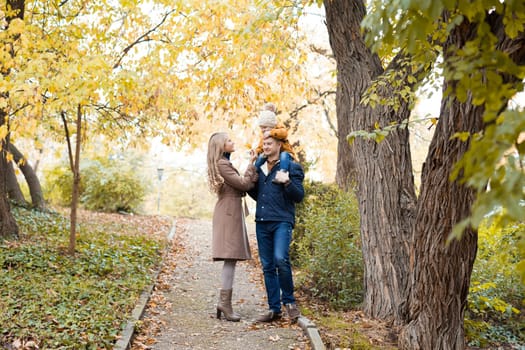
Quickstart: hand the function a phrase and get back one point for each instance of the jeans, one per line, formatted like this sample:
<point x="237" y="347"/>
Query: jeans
<point x="260" y="161"/>
<point x="284" y="161"/>
<point x="273" y="240"/>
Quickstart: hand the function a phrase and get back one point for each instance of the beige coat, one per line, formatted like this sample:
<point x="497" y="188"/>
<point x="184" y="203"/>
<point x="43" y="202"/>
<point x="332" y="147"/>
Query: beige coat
<point x="230" y="239"/>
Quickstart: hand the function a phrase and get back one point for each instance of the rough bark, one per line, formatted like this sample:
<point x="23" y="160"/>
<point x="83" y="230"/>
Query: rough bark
<point x="441" y="273"/>
<point x="14" y="193"/>
<point x="35" y="190"/>
<point x="8" y="226"/>
<point x="427" y="288"/>
<point x="383" y="171"/>
<point x="343" y="40"/>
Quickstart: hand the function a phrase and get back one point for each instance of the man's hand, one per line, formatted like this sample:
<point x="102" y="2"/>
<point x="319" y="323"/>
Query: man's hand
<point x="282" y="177"/>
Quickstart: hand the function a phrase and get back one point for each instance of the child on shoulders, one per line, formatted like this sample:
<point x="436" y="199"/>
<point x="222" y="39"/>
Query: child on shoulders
<point x="271" y="128"/>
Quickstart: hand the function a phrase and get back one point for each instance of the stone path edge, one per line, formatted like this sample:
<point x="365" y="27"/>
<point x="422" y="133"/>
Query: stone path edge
<point x="124" y="343"/>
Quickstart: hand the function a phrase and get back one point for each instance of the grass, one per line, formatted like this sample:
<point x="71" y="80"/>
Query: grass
<point x="344" y="330"/>
<point x="56" y="301"/>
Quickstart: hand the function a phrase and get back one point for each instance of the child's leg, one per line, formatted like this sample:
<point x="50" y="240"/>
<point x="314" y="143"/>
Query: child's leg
<point x="260" y="161"/>
<point x="282" y="177"/>
<point x="284" y="161"/>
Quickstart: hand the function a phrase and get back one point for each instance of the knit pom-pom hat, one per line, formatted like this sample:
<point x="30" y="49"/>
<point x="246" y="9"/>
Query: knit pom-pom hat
<point x="267" y="116"/>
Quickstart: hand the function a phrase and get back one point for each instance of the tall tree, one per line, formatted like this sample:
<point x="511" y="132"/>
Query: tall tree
<point x="383" y="170"/>
<point x="14" y="14"/>
<point x="414" y="275"/>
<point x="142" y="71"/>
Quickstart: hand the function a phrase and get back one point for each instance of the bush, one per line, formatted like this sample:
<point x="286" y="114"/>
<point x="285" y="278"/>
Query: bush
<point x="496" y="292"/>
<point x="58" y="186"/>
<point x="327" y="246"/>
<point x="104" y="186"/>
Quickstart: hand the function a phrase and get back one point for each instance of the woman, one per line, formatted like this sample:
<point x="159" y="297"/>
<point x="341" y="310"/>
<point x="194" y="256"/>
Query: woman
<point x="230" y="240"/>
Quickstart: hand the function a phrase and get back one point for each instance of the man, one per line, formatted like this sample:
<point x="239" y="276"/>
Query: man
<point x="274" y="221"/>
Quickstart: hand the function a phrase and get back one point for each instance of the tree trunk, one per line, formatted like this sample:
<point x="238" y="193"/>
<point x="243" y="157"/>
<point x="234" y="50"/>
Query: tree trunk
<point x="345" y="42"/>
<point x="383" y="170"/>
<point x="74" y="162"/>
<point x="14" y="193"/>
<point x="441" y="273"/>
<point x="411" y="275"/>
<point x="8" y="226"/>
<point x="76" y="182"/>
<point x="37" y="198"/>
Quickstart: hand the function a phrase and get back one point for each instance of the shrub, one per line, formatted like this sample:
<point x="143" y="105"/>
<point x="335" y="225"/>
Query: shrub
<point x="496" y="292"/>
<point x="104" y="186"/>
<point x="327" y="246"/>
<point x="57" y="186"/>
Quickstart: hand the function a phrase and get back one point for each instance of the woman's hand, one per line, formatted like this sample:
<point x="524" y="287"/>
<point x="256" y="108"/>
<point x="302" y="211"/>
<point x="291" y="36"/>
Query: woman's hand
<point x="253" y="156"/>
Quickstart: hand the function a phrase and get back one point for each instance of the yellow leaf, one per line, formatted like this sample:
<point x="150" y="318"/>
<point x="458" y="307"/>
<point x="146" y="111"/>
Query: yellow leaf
<point x="3" y="132"/>
<point x="16" y="26"/>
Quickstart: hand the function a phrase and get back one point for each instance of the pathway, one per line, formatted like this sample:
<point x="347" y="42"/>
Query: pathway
<point x="181" y="312"/>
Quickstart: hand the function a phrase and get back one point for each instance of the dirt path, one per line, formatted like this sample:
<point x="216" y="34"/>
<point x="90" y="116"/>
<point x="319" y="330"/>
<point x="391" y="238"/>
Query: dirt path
<point x="181" y="312"/>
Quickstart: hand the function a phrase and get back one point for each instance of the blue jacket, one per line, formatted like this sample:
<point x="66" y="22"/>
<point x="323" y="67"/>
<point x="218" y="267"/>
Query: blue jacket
<point x="276" y="202"/>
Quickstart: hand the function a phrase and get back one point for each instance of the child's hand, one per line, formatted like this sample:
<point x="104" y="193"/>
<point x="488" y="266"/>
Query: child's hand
<point x="266" y="134"/>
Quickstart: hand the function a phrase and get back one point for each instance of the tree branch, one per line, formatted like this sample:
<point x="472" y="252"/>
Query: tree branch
<point x="143" y="38"/>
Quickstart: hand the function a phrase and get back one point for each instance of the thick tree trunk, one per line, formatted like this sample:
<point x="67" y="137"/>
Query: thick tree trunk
<point x="35" y="190"/>
<point x="8" y="226"/>
<point x="427" y="288"/>
<point x="441" y="273"/>
<point x="344" y="39"/>
<point x="383" y="170"/>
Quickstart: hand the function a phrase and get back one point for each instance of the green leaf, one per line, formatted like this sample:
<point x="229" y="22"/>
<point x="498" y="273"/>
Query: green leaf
<point x="463" y="136"/>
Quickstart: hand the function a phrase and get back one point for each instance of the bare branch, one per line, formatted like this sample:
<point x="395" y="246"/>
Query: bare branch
<point x="321" y="96"/>
<point x="143" y="38"/>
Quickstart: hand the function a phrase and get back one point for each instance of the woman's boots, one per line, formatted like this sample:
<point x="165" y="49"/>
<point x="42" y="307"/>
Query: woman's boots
<point x="225" y="306"/>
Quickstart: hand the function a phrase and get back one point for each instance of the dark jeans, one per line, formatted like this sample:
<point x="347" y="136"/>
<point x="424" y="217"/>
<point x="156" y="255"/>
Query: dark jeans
<point x="273" y="240"/>
<point x="284" y="161"/>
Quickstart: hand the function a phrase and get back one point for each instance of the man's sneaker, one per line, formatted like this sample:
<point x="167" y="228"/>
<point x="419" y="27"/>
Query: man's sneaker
<point x="269" y="316"/>
<point x="293" y="312"/>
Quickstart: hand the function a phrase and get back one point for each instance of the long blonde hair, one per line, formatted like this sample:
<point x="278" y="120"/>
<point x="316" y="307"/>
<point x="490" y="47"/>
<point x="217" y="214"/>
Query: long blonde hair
<point x="215" y="152"/>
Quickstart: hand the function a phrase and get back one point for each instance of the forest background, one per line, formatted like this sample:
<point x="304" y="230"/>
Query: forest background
<point x="100" y="83"/>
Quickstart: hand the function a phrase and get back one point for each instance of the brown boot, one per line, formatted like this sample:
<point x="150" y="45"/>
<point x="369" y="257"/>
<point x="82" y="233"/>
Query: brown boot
<point x="225" y="306"/>
<point x="270" y="316"/>
<point x="293" y="312"/>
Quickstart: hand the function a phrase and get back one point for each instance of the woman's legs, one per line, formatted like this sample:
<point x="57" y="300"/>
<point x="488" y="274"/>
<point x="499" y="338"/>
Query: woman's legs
<point x="228" y="272"/>
<point x="225" y="298"/>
